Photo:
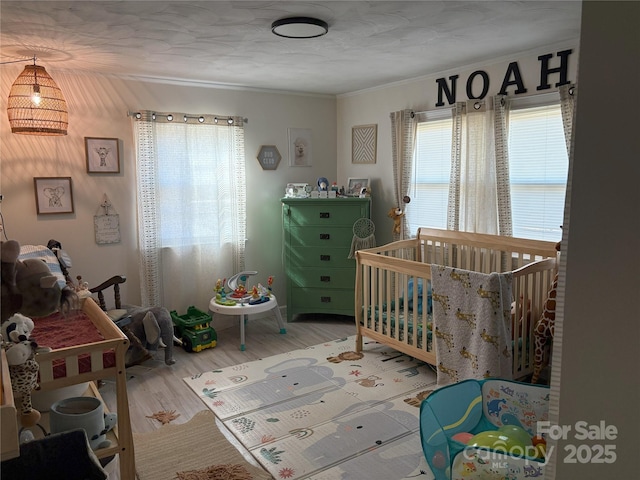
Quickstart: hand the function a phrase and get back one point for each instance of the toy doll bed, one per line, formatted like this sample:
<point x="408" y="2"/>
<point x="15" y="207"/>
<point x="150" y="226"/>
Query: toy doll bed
<point x="393" y="289"/>
<point x="88" y="346"/>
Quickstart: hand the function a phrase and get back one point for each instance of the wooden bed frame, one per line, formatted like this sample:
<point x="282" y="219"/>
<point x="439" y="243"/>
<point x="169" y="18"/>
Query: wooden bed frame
<point x="382" y="280"/>
<point x="121" y="437"/>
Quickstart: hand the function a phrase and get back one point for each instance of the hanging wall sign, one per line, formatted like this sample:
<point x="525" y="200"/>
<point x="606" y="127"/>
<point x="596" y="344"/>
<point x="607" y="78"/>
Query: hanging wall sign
<point x="269" y="157"/>
<point x="106" y="224"/>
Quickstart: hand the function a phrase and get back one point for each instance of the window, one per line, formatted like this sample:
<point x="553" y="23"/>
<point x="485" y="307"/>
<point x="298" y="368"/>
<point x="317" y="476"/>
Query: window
<point x="538" y="167"/>
<point x="191" y="206"/>
<point x="432" y="168"/>
<point x="196" y="183"/>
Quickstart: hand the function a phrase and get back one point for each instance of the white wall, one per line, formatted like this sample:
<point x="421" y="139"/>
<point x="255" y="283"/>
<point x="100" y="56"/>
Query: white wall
<point x="374" y="106"/>
<point x="596" y="377"/>
<point x="98" y="107"/>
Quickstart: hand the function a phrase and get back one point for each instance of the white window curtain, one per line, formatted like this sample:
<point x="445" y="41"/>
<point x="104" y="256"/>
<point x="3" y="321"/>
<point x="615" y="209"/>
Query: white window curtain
<point x="191" y="205"/>
<point x="403" y="138"/>
<point x="479" y="192"/>
<point x="568" y="94"/>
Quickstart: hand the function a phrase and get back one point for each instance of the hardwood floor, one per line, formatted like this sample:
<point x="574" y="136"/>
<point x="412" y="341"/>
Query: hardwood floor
<point x="154" y="386"/>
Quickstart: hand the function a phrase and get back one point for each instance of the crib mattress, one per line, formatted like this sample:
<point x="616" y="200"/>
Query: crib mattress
<point x="69" y="330"/>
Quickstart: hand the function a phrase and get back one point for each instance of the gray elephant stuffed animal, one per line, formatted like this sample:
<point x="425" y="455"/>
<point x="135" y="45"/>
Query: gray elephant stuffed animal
<point x="153" y="325"/>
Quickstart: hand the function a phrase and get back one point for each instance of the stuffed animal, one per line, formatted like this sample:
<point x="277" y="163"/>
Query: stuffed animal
<point x="23" y="370"/>
<point x="396" y="215"/>
<point x="28" y="286"/>
<point x="17" y="328"/>
<point x="153" y="327"/>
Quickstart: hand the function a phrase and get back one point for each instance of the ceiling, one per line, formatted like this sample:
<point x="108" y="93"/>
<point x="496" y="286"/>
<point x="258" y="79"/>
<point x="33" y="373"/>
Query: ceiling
<point x="229" y="43"/>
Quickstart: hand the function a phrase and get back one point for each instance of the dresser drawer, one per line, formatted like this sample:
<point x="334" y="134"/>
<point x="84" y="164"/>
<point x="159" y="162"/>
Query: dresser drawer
<point x="314" y="236"/>
<point x="323" y="277"/>
<point x="317" y="299"/>
<point x="344" y="214"/>
<point x="324" y="257"/>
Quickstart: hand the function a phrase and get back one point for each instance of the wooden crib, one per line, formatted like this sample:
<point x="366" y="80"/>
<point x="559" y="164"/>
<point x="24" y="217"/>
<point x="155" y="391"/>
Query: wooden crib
<point x="392" y="282"/>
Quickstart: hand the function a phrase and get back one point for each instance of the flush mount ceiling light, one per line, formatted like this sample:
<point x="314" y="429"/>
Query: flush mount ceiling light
<point x="36" y="105"/>
<point x="299" y="27"/>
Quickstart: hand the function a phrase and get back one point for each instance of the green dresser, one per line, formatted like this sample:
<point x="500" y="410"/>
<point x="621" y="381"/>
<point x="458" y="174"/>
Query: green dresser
<point x="317" y="236"/>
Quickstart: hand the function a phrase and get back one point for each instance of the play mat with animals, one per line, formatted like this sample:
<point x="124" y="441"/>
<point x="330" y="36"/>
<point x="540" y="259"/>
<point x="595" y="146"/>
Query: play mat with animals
<point x="325" y="412"/>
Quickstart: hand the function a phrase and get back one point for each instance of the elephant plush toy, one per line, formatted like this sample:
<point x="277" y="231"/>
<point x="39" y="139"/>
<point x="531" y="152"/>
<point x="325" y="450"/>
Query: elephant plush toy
<point x="154" y="328"/>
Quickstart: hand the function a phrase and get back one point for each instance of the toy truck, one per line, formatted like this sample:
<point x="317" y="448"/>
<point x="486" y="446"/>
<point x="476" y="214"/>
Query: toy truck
<point x="194" y="330"/>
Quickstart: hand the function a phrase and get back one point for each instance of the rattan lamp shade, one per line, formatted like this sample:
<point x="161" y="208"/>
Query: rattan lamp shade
<point x="50" y="117"/>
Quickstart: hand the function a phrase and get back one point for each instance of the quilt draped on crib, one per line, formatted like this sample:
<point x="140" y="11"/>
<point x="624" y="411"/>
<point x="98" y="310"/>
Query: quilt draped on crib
<point x="472" y="324"/>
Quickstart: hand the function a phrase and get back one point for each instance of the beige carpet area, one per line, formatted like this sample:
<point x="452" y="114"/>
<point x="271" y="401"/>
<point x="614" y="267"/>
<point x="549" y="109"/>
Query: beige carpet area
<point x="194" y="445"/>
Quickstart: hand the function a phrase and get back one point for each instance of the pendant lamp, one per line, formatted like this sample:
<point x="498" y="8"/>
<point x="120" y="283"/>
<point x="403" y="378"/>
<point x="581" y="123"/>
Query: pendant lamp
<point x="36" y="105"/>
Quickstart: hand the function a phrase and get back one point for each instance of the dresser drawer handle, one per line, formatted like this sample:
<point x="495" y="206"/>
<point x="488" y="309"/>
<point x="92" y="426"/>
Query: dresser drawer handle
<point x="325" y="299"/>
<point x="325" y="214"/>
<point x="325" y="278"/>
<point x="325" y="236"/>
<point x="325" y="258"/>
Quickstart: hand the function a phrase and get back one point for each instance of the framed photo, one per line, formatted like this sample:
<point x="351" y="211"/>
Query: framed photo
<point x="364" y="143"/>
<point x="300" y="154"/>
<point x="355" y="186"/>
<point x="53" y="195"/>
<point x="103" y="155"/>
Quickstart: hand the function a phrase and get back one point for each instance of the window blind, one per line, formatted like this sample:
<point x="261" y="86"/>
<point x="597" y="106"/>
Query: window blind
<point x="538" y="167"/>
<point x="430" y="190"/>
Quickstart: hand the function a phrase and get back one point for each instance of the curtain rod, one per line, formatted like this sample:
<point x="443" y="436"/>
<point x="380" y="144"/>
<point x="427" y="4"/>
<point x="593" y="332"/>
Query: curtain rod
<point x="571" y="92"/>
<point x="229" y="119"/>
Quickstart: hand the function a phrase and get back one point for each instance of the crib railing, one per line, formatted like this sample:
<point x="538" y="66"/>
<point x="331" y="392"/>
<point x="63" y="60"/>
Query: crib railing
<point x="383" y="292"/>
<point x="480" y="252"/>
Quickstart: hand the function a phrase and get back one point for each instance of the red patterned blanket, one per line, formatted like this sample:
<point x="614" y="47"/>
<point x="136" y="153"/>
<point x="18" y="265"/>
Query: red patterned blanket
<point x="73" y="329"/>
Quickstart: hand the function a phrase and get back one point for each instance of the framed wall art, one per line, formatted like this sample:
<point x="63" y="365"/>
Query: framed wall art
<point x="355" y="186"/>
<point x="53" y="194"/>
<point x="269" y="157"/>
<point x="300" y="154"/>
<point x="103" y="155"/>
<point x="364" y="143"/>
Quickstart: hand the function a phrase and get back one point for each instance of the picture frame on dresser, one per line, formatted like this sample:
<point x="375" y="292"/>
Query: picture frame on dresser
<point x="355" y="186"/>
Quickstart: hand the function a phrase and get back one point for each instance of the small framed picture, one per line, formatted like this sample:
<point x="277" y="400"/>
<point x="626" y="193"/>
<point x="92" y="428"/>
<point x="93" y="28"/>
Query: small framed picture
<point x="103" y="155"/>
<point x="300" y="154"/>
<point x="357" y="186"/>
<point x="53" y="194"/>
<point x="364" y="141"/>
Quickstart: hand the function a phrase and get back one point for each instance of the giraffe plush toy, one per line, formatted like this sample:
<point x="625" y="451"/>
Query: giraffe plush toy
<point x="544" y="328"/>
